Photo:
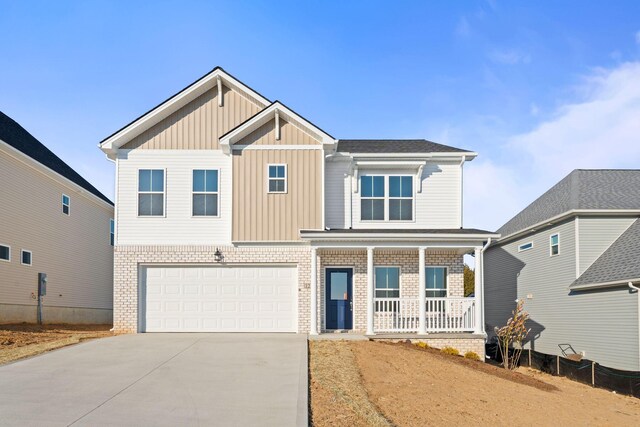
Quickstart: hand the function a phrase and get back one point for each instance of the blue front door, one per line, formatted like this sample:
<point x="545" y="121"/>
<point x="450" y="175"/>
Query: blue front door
<point x="339" y="298"/>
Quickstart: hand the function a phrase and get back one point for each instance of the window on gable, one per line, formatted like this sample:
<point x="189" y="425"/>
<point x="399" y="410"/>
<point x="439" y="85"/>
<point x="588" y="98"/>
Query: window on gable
<point x="436" y="282"/>
<point x="400" y="198"/>
<point x="66" y="204"/>
<point x="151" y="192"/>
<point x="5" y="253"/>
<point x="25" y="257"/>
<point x="372" y="198"/>
<point x="112" y="232"/>
<point x="277" y="177"/>
<point x="387" y="282"/>
<point x="554" y="243"/>
<point x="525" y="246"/>
<point x="205" y="192"/>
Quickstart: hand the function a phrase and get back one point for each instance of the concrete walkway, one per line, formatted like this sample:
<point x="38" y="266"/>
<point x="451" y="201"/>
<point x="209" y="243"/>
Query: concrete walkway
<point x="162" y="379"/>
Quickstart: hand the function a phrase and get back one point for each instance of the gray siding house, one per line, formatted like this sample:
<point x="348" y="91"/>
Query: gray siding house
<point x="573" y="255"/>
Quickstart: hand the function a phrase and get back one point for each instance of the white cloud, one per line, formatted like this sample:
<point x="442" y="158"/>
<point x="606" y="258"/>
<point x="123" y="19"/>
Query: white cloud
<point x="600" y="130"/>
<point x="638" y="37"/>
<point x="509" y="57"/>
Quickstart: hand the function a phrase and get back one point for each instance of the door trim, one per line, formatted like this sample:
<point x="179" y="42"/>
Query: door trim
<point x="324" y="294"/>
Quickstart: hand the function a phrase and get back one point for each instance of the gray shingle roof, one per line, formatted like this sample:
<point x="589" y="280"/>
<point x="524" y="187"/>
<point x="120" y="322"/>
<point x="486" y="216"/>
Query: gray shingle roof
<point x="620" y="262"/>
<point x="581" y="189"/>
<point x="395" y="146"/>
<point x="18" y="137"/>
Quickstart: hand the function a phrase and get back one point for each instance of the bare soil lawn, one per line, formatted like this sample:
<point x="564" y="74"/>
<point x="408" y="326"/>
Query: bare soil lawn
<point x="374" y="383"/>
<point x="22" y="340"/>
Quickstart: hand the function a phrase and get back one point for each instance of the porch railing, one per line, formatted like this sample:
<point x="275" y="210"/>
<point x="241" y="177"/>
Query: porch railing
<point x="451" y="314"/>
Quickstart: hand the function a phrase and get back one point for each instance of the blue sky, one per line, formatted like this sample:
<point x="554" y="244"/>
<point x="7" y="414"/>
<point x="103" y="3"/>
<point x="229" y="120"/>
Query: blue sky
<point x="537" y="88"/>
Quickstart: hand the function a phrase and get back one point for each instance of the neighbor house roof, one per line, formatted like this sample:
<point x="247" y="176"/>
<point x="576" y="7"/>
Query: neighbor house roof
<point x="582" y="189"/>
<point x="619" y="263"/>
<point x="395" y="146"/>
<point x="18" y="138"/>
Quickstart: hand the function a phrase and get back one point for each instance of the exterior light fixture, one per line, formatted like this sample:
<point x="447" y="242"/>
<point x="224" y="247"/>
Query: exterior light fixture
<point x="217" y="255"/>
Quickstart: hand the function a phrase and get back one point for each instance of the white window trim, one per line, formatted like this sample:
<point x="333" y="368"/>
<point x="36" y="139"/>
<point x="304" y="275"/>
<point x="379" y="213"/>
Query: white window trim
<point x="9" y="247"/>
<point x="30" y="257"/>
<point x="164" y="193"/>
<point x="524" y="244"/>
<point x="386" y="199"/>
<point x="551" y="245"/>
<point x="399" y="280"/>
<point x="286" y="178"/>
<point x="112" y="233"/>
<point x="68" y="205"/>
<point x="208" y="192"/>
<point x="446" y="278"/>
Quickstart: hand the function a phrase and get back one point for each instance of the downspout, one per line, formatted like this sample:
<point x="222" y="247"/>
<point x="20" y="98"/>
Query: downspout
<point x="464" y="159"/>
<point x="484" y="248"/>
<point x="637" y="289"/>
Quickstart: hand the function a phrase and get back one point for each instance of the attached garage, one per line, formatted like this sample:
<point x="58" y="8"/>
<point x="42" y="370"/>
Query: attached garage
<point x="218" y="299"/>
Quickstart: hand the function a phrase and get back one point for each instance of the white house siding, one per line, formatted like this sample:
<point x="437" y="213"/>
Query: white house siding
<point x="437" y="206"/>
<point x="603" y="323"/>
<point x="337" y="193"/>
<point x="177" y="226"/>
<point x="596" y="234"/>
<point x="73" y="250"/>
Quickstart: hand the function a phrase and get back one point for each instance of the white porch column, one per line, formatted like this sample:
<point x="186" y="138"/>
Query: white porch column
<point x="477" y="292"/>
<point x="422" y="293"/>
<point x="370" y="292"/>
<point x="313" y="329"/>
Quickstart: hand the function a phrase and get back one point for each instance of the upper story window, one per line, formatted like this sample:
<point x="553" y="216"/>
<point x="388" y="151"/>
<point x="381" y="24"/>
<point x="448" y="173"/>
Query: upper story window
<point x="525" y="246"/>
<point x="277" y="178"/>
<point x="66" y="204"/>
<point x="151" y="192"/>
<point x="5" y="253"/>
<point x="112" y="232"/>
<point x="205" y="192"/>
<point x="387" y="282"/>
<point x="386" y="198"/>
<point x="436" y="282"/>
<point x="554" y="244"/>
<point x="26" y="257"/>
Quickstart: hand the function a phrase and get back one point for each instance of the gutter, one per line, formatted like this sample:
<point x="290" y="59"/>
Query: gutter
<point x="621" y="282"/>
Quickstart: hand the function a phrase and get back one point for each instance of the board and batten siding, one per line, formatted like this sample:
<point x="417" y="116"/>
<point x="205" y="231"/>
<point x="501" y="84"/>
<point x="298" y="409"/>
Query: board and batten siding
<point x="596" y="234"/>
<point x="199" y="124"/>
<point x="601" y="323"/>
<point x="177" y="226"/>
<point x="289" y="135"/>
<point x="73" y="250"/>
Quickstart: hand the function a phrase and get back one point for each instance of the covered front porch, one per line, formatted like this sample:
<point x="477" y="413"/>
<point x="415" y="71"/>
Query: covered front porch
<point x="395" y="287"/>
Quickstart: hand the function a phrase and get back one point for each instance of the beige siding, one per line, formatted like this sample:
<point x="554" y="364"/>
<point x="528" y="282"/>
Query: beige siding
<point x="289" y="135"/>
<point x="197" y="125"/>
<point x="258" y="215"/>
<point x="73" y="250"/>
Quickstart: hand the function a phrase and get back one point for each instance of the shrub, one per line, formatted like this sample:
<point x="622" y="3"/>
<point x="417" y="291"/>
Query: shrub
<point x="422" y="344"/>
<point x="450" y="350"/>
<point x="472" y="355"/>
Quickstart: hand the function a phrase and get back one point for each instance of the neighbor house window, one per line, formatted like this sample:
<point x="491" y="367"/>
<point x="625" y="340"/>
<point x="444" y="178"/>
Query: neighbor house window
<point x="387" y="282"/>
<point x="5" y="253"/>
<point x="400" y="198"/>
<point x="151" y="192"/>
<point x="205" y="192"/>
<point x="66" y="204"/>
<point x="554" y="242"/>
<point x="525" y="246"/>
<point x="436" y="282"/>
<point x="26" y="257"/>
<point x="372" y="198"/>
<point x="277" y="178"/>
<point x="112" y="232"/>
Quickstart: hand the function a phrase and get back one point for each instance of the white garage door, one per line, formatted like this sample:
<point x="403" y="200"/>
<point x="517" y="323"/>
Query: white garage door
<point x="220" y="299"/>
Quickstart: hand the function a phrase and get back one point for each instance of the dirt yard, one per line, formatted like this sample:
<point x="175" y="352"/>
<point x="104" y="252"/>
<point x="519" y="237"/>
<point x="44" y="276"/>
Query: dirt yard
<point x="22" y="340"/>
<point x="363" y="383"/>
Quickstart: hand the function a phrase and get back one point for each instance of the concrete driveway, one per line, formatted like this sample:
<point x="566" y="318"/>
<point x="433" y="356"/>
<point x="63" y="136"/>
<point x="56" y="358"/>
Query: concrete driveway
<point x="162" y="379"/>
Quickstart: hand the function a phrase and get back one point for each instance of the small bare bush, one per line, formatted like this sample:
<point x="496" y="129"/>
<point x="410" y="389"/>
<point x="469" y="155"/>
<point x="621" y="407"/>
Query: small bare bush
<point x="450" y="350"/>
<point x="472" y="355"/>
<point x="512" y="335"/>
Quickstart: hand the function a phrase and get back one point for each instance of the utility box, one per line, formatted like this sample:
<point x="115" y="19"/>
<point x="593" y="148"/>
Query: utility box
<point x="42" y="284"/>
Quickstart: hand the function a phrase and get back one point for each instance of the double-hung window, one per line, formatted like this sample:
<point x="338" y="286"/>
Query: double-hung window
<point x="151" y="192"/>
<point x="400" y="198"/>
<point x="387" y="282"/>
<point x="436" y="282"/>
<point x="277" y="178"/>
<point x="554" y="244"/>
<point x="66" y="204"/>
<point x="372" y="198"/>
<point x="205" y="192"/>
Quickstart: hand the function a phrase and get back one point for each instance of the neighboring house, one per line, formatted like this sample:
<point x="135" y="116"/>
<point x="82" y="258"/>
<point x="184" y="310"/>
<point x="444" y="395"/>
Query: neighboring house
<point x="573" y="255"/>
<point x="53" y="222"/>
<point x="234" y="213"/>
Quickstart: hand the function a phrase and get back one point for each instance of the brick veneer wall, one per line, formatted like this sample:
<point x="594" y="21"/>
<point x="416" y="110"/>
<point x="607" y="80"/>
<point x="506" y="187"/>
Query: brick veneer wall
<point x="463" y="343"/>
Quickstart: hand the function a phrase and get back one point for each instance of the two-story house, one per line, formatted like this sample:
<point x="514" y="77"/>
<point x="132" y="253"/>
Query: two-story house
<point x="234" y="213"/>
<point x="573" y="256"/>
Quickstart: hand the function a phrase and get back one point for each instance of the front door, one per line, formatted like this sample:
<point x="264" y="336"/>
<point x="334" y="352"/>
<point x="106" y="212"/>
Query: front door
<point x="339" y="298"/>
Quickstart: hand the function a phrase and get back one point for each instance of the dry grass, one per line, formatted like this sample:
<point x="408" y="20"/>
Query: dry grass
<point x="18" y="341"/>
<point x="338" y="397"/>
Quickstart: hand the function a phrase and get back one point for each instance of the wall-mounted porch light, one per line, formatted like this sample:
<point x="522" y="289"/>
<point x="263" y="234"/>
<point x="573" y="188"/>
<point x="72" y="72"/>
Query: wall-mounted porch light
<point x="218" y="255"/>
